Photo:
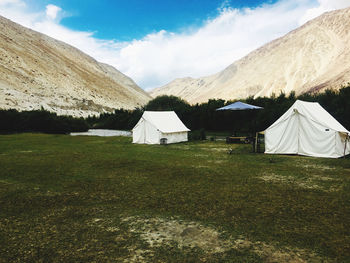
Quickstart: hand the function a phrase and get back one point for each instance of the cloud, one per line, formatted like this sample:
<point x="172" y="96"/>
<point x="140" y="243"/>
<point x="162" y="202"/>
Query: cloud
<point x="52" y="11"/>
<point x="160" y="57"/>
<point x="211" y="48"/>
<point x="323" y="6"/>
<point x="11" y="2"/>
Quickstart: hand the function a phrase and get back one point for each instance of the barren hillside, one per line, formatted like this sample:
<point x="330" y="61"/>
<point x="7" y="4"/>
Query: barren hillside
<point x="38" y="71"/>
<point x="313" y="57"/>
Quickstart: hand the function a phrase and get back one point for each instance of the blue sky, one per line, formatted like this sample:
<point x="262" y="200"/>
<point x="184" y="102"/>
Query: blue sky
<point x="126" y="20"/>
<point x="156" y="41"/>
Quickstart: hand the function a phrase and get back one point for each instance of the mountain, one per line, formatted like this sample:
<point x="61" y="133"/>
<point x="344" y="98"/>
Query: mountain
<point x="38" y="71"/>
<point x="312" y="58"/>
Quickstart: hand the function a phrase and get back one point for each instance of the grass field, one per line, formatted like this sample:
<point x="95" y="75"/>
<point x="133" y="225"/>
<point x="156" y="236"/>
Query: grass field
<point x="94" y="199"/>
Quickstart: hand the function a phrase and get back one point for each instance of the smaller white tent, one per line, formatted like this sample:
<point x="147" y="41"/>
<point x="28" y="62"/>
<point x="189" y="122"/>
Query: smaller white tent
<point x="156" y="125"/>
<point x="307" y="129"/>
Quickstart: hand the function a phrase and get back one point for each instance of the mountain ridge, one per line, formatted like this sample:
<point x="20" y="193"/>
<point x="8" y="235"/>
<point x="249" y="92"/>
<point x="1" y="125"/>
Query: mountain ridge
<point x="37" y="71"/>
<point x="310" y="58"/>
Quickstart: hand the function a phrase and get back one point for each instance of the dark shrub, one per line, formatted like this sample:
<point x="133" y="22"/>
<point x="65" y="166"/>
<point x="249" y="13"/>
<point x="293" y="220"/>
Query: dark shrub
<point x="197" y="135"/>
<point x="39" y="121"/>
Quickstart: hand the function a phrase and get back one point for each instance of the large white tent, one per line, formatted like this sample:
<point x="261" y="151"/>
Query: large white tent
<point x="156" y="125"/>
<point x="307" y="129"/>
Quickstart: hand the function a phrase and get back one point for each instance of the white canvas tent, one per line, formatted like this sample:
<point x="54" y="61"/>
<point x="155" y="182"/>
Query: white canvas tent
<point x="307" y="129"/>
<point x="156" y="125"/>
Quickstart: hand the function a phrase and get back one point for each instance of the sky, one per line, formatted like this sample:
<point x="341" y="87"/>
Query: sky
<point x="156" y="41"/>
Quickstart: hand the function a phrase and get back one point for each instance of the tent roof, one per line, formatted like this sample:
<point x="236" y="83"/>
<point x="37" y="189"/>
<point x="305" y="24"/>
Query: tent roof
<point x="165" y="121"/>
<point x="240" y="106"/>
<point x="312" y="111"/>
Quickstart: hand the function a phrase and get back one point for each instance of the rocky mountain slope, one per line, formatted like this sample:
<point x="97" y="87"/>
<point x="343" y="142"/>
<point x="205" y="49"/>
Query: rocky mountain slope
<point x="38" y="71"/>
<point x="311" y="58"/>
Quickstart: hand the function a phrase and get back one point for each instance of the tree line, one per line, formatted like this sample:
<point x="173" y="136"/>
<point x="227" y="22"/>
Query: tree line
<point x="13" y="121"/>
<point x="205" y="116"/>
<point x="201" y="116"/>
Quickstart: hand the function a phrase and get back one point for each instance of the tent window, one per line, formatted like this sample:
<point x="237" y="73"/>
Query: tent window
<point x="326" y="129"/>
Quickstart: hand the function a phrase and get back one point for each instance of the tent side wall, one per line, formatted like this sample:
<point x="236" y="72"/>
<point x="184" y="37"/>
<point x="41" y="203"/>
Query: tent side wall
<point x="138" y="132"/>
<point x="283" y="137"/>
<point x="175" y="137"/>
<point x="152" y="134"/>
<point x="145" y="133"/>
<point x="316" y="140"/>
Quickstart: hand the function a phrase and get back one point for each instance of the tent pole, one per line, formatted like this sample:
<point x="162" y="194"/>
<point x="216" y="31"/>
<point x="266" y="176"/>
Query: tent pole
<point x="346" y="140"/>
<point x="256" y="142"/>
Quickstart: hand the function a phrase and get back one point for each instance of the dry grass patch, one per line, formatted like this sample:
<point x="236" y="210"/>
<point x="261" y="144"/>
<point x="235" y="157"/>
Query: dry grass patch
<point x="315" y="166"/>
<point x="157" y="232"/>
<point x="269" y="253"/>
<point x="200" y="166"/>
<point x="310" y="182"/>
<point x="215" y="149"/>
<point x="201" y="155"/>
<point x="216" y="161"/>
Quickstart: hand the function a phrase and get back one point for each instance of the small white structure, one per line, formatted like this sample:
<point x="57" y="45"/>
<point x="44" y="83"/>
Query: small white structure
<point x="156" y="127"/>
<point x="307" y="129"/>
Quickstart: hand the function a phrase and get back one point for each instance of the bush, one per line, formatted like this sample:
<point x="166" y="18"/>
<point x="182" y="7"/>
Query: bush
<point x="197" y="135"/>
<point x="39" y="121"/>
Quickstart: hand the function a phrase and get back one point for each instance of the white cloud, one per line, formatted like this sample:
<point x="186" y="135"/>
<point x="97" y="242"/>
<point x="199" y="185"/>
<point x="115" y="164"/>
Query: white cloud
<point x="17" y="11"/>
<point x="160" y="57"/>
<point x="52" y="11"/>
<point x="11" y="2"/>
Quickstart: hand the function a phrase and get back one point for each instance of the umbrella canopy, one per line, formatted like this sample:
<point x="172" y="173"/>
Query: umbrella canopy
<point x="240" y="106"/>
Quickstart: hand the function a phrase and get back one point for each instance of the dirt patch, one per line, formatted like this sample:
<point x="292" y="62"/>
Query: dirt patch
<point x="316" y="166"/>
<point x="311" y="182"/>
<point x="324" y="178"/>
<point x="157" y="231"/>
<point x="270" y="253"/>
<point x="112" y="229"/>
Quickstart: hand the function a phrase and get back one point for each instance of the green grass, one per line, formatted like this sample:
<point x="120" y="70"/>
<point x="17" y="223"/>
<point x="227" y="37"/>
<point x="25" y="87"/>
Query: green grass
<point x="85" y="199"/>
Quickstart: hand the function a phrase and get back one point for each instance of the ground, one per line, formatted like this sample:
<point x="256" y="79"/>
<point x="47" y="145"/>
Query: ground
<point x="94" y="199"/>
